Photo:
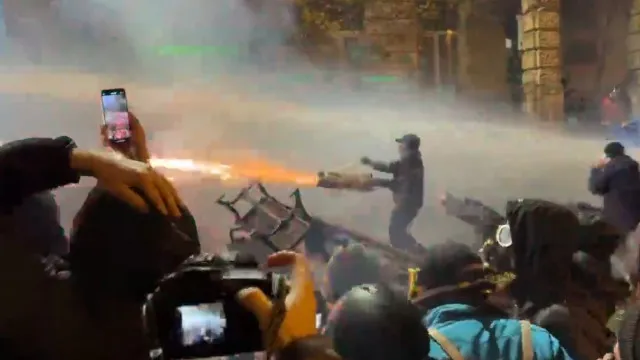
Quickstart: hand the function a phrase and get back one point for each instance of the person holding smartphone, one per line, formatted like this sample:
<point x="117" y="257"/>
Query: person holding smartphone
<point x="121" y="130"/>
<point x="135" y="147"/>
<point x="41" y="316"/>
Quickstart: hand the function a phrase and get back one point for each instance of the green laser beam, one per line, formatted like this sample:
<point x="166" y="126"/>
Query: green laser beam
<point x="379" y="78"/>
<point x="177" y="50"/>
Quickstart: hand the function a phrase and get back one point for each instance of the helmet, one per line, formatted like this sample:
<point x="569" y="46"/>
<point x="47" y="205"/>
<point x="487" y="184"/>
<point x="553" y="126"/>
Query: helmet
<point x="349" y="267"/>
<point x="374" y="322"/>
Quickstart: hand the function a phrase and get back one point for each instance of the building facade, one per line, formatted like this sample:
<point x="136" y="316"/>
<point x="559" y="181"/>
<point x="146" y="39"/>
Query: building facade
<point x="561" y="49"/>
<point x="443" y="44"/>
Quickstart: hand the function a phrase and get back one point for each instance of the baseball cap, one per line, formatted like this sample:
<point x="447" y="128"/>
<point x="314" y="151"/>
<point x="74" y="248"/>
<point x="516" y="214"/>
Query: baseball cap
<point x="412" y="141"/>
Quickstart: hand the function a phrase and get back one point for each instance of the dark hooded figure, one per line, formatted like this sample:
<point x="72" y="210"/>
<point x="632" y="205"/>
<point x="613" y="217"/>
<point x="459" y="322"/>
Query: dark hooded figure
<point x="617" y="179"/>
<point x="553" y="275"/>
<point x="116" y="257"/>
<point x="138" y="249"/>
<point x="544" y="237"/>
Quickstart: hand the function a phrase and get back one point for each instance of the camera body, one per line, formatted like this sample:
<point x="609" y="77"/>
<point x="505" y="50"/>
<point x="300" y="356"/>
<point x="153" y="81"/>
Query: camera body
<point x="194" y="312"/>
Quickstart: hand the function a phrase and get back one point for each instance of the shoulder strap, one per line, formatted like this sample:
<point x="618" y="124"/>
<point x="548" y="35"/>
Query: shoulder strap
<point x="446" y="345"/>
<point x="527" y="344"/>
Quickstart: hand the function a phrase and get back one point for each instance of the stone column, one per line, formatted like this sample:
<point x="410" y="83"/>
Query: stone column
<point x="633" y="55"/>
<point x="542" y="59"/>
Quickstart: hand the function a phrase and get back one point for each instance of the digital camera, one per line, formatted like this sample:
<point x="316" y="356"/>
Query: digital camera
<point x="194" y="312"/>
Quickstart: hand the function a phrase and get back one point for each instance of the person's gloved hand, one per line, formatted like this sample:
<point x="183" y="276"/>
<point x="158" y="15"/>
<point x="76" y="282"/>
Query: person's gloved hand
<point x="601" y="163"/>
<point x="300" y="318"/>
<point x="118" y="175"/>
<point x="136" y="147"/>
<point x="366" y="160"/>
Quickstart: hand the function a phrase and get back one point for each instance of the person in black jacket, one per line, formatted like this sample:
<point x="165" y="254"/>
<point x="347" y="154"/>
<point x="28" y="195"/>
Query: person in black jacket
<point x="616" y="178"/>
<point x="407" y="187"/>
<point x="117" y="256"/>
<point x="43" y="315"/>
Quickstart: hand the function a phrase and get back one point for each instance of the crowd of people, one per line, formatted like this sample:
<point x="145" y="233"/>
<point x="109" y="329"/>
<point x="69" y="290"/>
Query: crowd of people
<point x="81" y="298"/>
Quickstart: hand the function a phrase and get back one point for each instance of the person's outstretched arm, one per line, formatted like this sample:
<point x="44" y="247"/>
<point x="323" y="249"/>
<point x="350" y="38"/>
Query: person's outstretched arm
<point x="33" y="165"/>
<point x="382" y="166"/>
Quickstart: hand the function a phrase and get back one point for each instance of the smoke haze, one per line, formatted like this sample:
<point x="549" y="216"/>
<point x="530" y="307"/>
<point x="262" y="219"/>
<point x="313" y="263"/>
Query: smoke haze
<point x="191" y="78"/>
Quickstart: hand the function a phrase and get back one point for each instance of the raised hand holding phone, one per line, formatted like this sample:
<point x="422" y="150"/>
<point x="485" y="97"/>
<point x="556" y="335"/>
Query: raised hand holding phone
<point x="121" y="130"/>
<point x="115" y="115"/>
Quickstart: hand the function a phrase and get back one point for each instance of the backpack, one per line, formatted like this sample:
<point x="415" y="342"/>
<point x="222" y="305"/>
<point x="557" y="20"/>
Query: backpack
<point x="454" y="354"/>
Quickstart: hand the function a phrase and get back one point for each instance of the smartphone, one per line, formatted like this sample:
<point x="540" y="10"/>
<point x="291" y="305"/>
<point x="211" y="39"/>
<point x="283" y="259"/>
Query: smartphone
<point x="115" y="114"/>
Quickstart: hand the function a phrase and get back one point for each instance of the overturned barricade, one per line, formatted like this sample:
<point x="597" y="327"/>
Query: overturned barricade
<point x="271" y="225"/>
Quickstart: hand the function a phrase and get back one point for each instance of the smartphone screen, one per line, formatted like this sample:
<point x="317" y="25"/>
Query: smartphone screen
<point x="115" y="112"/>
<point x="202" y="324"/>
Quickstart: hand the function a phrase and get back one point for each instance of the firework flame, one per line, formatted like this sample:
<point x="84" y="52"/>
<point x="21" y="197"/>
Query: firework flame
<point x="255" y="171"/>
<point x="218" y="170"/>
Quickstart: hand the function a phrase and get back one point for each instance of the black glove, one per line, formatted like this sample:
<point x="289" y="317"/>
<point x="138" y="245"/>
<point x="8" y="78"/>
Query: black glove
<point x="366" y="160"/>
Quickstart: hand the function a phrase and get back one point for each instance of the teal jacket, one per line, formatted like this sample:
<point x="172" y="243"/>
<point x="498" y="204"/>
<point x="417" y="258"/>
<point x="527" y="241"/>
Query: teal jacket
<point x="487" y="337"/>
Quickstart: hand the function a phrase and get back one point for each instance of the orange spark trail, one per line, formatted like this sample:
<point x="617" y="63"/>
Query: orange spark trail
<point x="254" y="170"/>
<point x="218" y="170"/>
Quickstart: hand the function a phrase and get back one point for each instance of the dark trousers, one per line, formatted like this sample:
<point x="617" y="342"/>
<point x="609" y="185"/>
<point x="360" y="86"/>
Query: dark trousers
<point x="399" y="223"/>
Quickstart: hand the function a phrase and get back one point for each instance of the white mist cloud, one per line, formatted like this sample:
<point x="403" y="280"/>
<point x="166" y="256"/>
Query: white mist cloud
<point x="213" y="99"/>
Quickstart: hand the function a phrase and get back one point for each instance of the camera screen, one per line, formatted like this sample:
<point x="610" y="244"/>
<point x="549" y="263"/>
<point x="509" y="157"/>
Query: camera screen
<point x="202" y="324"/>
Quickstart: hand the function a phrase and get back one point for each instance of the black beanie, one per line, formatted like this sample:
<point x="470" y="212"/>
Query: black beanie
<point x="614" y="149"/>
<point x="374" y="322"/>
<point x="349" y="267"/>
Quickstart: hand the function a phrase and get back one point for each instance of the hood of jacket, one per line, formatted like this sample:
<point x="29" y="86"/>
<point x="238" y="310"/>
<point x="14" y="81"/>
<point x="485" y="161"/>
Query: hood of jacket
<point x="448" y="313"/>
<point x="544" y="237"/>
<point x="621" y="162"/>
